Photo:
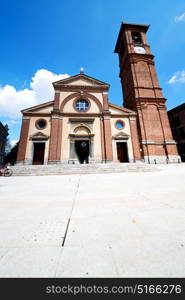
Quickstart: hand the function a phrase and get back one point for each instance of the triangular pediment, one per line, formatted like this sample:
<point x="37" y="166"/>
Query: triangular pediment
<point x="41" y="108"/>
<point x="80" y="80"/>
<point x="115" y="109"/>
<point x="39" y="136"/>
<point x="121" y="135"/>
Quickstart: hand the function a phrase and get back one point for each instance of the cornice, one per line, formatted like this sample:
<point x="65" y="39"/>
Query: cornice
<point x="78" y="88"/>
<point x="39" y="136"/>
<point x="81" y="115"/>
<point x="34" y="114"/>
<point x="123" y="115"/>
<point x="140" y="100"/>
<point x="57" y="113"/>
<point x="135" y="58"/>
<point x="147" y="88"/>
<point x="143" y="56"/>
<point x="80" y="76"/>
<point x="37" y="107"/>
<point x="26" y="117"/>
<point x="120" y="136"/>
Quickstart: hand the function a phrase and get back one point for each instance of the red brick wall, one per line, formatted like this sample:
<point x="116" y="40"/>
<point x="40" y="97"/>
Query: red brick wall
<point x="108" y="139"/>
<point x="57" y="100"/>
<point x="55" y="140"/>
<point x="21" y="155"/>
<point x="135" y="138"/>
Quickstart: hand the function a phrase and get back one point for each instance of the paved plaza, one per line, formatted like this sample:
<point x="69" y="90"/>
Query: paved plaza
<point x="95" y="225"/>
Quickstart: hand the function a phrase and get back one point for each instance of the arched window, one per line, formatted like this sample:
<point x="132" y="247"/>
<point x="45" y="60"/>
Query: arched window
<point x="136" y="36"/>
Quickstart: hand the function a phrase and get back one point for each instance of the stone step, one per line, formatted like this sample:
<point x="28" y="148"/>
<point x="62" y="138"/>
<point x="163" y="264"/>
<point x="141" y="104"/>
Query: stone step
<point x="41" y="170"/>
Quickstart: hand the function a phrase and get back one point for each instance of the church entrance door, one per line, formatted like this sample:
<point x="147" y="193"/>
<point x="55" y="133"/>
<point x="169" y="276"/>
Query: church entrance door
<point x="38" y="153"/>
<point x="82" y="151"/>
<point x="122" y="152"/>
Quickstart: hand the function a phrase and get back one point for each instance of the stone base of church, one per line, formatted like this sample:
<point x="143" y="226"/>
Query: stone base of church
<point x="163" y="159"/>
<point x="106" y="161"/>
<point x="23" y="162"/>
<point x="76" y="161"/>
<point x="54" y="162"/>
<point x="19" y="163"/>
<point x="174" y="158"/>
<point x="152" y="159"/>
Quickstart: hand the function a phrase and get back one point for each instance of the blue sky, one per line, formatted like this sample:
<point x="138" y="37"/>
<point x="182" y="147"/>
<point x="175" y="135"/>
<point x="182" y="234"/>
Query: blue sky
<point x="43" y="39"/>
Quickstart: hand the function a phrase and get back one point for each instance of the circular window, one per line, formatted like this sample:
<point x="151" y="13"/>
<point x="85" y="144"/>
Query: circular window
<point x="41" y="124"/>
<point x="119" y="124"/>
<point x="82" y="105"/>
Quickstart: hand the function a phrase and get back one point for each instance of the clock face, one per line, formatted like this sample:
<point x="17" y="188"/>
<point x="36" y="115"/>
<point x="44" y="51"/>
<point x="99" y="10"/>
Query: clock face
<point x="139" y="50"/>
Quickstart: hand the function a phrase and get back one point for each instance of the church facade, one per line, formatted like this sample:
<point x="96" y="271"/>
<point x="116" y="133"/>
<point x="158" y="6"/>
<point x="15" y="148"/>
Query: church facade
<point x="81" y="126"/>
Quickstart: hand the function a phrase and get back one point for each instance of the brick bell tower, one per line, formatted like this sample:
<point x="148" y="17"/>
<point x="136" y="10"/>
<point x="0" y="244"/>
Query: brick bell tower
<point x="142" y="93"/>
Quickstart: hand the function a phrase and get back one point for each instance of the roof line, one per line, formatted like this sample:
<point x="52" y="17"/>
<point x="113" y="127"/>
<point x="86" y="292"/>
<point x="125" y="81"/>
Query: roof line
<point x="81" y="75"/>
<point x="136" y="24"/>
<point x="35" y="106"/>
<point x="122" y="108"/>
<point x="124" y="24"/>
<point x="177" y="107"/>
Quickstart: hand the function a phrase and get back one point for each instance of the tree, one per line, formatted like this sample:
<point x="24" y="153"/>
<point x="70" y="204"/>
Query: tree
<point x="11" y="156"/>
<point x="8" y="146"/>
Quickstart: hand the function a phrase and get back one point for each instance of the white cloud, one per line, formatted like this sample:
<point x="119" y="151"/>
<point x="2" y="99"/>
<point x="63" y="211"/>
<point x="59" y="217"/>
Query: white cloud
<point x="12" y="122"/>
<point x="180" y="18"/>
<point x="41" y="90"/>
<point x="177" y="77"/>
<point x="13" y="143"/>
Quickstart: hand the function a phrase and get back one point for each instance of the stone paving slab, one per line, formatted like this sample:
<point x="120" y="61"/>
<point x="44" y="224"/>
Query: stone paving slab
<point x="90" y="261"/>
<point x="98" y="225"/>
<point x="29" y="262"/>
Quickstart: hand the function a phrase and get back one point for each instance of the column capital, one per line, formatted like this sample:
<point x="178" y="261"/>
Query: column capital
<point x="106" y="117"/>
<point x="26" y="118"/>
<point x="132" y="118"/>
<point x="56" y="117"/>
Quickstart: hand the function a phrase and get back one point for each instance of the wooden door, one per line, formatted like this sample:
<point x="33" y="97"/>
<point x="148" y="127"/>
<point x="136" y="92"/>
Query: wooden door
<point x="122" y="152"/>
<point x="38" y="154"/>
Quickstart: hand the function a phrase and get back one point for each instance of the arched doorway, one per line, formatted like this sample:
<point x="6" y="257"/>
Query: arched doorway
<point x="81" y="145"/>
<point x="82" y="151"/>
